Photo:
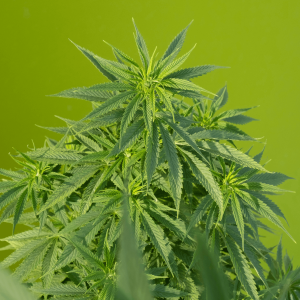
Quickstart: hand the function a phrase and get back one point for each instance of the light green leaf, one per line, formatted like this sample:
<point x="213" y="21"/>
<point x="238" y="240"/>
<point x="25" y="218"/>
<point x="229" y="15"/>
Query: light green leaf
<point x="248" y="250"/>
<point x="152" y="148"/>
<point x="87" y="233"/>
<point x="11" y="195"/>
<point x="200" y="211"/>
<point x="91" y="158"/>
<point x="12" y="174"/>
<point x="103" y="141"/>
<point x="174" y="65"/>
<point x="130" y="112"/>
<point x="49" y="261"/>
<point x="80" y="221"/>
<point x="160" y="241"/>
<point x="21" y="253"/>
<point x="175" y="169"/>
<point x="203" y="174"/>
<point x="242" y="268"/>
<point x="97" y="182"/>
<point x="32" y="261"/>
<point x="87" y="142"/>
<point x="182" y="133"/>
<point x="70" y="185"/>
<point x="166" y="100"/>
<point x="20" y="207"/>
<point x="106" y="120"/>
<point x="27" y="236"/>
<point x="131" y="135"/>
<point x="147" y="114"/>
<point x="238" y="216"/>
<point x="118" y="70"/>
<point x="6" y="185"/>
<point x="175" y="225"/>
<point x="89" y="256"/>
<point x="141" y="44"/>
<point x="176" y="44"/>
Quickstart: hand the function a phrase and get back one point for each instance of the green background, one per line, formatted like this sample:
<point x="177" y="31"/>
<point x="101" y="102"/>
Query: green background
<point x="258" y="39"/>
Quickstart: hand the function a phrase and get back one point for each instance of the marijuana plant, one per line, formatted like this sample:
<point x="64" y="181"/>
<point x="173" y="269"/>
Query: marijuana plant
<point x="144" y="156"/>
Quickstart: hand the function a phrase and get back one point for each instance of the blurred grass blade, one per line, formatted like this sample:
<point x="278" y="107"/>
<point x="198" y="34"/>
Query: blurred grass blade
<point x="11" y="289"/>
<point x="132" y="282"/>
<point x="214" y="280"/>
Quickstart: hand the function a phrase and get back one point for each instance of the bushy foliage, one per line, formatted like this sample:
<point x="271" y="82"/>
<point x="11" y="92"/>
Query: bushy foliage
<point x="173" y="168"/>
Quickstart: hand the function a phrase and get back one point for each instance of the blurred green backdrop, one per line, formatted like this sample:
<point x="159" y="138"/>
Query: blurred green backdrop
<point x="258" y="39"/>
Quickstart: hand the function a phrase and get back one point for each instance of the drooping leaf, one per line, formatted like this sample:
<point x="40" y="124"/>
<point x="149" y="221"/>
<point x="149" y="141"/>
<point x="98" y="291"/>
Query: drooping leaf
<point x="237" y="213"/>
<point x="49" y="261"/>
<point x="160" y="241"/>
<point x="20" y="207"/>
<point x="193" y="72"/>
<point x="175" y="170"/>
<point x="203" y="174"/>
<point x="242" y="268"/>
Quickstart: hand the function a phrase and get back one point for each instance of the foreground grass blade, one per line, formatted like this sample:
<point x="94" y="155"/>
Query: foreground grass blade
<point x="132" y="280"/>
